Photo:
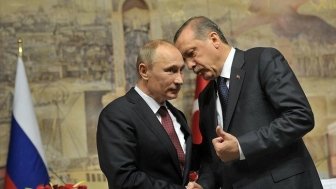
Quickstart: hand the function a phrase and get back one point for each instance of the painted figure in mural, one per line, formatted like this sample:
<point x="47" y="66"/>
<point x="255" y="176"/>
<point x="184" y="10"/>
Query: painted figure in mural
<point x="134" y="149"/>
<point x="136" y="30"/>
<point x="286" y="21"/>
<point x="253" y="113"/>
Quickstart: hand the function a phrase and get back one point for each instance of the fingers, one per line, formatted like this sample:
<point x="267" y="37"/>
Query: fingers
<point x="193" y="185"/>
<point x="189" y="186"/>
<point x="220" y="132"/>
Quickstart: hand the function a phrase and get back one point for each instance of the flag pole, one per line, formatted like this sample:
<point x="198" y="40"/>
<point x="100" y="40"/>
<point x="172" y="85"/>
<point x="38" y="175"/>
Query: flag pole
<point x="20" y="44"/>
<point x="26" y="164"/>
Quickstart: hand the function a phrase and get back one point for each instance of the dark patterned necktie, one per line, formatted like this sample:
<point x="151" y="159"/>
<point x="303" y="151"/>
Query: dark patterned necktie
<point x="168" y="125"/>
<point x="223" y="93"/>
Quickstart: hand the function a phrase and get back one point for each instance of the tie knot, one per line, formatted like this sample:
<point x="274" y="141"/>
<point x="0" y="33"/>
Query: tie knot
<point x="221" y="81"/>
<point x="162" y="111"/>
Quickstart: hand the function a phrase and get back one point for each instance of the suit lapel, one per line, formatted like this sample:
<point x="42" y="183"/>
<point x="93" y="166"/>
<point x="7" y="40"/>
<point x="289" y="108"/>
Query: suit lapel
<point x="209" y="108"/>
<point x="152" y="123"/>
<point x="236" y="81"/>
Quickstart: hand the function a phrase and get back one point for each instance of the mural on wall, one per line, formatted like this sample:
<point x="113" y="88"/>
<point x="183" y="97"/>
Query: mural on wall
<point x="67" y="53"/>
<point x="286" y="21"/>
<point x="80" y="55"/>
<point x="136" y="30"/>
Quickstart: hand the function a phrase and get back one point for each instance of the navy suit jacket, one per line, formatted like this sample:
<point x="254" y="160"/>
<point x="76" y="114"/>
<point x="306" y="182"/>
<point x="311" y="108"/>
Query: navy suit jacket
<point x="269" y="114"/>
<point x="135" y="151"/>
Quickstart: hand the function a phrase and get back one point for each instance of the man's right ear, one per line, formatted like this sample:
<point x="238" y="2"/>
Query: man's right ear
<point x="143" y="70"/>
<point x="215" y="39"/>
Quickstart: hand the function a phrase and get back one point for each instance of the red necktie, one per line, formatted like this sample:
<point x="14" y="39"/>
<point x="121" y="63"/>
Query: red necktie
<point x="168" y="125"/>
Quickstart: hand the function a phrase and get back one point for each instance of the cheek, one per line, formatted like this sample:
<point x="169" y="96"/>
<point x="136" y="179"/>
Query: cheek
<point x="200" y="62"/>
<point x="164" y="85"/>
<point x="157" y="85"/>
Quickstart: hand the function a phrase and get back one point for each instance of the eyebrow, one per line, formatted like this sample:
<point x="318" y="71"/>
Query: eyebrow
<point x="187" y="52"/>
<point x="175" y="66"/>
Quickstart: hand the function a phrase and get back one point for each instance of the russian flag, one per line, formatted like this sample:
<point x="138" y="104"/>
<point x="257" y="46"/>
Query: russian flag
<point x="26" y="164"/>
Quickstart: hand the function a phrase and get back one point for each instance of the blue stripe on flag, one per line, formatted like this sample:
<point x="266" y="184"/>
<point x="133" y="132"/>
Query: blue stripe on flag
<point x="24" y="165"/>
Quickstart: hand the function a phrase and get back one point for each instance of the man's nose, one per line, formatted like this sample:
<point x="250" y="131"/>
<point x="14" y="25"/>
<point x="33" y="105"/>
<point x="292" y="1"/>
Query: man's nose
<point x="179" y="78"/>
<point x="190" y="64"/>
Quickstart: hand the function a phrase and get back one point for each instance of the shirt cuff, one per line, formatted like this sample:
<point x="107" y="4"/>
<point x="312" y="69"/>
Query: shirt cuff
<point x="241" y="154"/>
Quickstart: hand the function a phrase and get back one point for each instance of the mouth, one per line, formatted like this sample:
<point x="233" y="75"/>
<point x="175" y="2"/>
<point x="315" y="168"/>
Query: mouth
<point x="176" y="89"/>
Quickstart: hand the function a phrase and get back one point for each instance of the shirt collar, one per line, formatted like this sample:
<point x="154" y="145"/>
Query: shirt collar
<point x="226" y="71"/>
<point x="154" y="106"/>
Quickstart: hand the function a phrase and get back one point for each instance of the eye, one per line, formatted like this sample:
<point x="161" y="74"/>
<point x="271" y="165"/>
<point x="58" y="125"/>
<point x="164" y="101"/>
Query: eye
<point x="171" y="70"/>
<point x="175" y="70"/>
<point x="190" y="53"/>
<point x="194" y="54"/>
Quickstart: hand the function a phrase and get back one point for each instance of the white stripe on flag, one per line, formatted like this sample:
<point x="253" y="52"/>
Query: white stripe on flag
<point x="23" y="109"/>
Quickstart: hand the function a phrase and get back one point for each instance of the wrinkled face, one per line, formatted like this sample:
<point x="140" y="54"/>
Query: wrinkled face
<point x="199" y="54"/>
<point x="165" y="75"/>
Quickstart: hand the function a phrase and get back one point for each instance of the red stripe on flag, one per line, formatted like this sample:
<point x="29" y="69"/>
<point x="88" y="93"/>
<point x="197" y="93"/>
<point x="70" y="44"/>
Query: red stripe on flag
<point x="200" y="85"/>
<point x="9" y="183"/>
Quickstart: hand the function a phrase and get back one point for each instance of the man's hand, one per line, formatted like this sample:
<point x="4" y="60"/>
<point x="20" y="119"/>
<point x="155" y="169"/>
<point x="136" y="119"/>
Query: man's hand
<point x="226" y="145"/>
<point x="193" y="185"/>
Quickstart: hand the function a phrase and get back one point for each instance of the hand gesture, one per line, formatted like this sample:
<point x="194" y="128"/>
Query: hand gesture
<point x="226" y="145"/>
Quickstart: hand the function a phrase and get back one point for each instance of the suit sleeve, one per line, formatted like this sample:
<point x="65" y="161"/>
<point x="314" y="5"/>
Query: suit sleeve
<point x="294" y="117"/>
<point x="117" y="152"/>
<point x="207" y="165"/>
<point x="207" y="175"/>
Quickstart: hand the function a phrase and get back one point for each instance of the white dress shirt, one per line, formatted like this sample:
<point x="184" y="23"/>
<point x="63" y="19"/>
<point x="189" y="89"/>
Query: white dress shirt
<point x="154" y="106"/>
<point x="226" y="72"/>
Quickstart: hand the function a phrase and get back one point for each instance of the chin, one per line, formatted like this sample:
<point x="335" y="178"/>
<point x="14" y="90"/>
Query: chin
<point x="173" y="96"/>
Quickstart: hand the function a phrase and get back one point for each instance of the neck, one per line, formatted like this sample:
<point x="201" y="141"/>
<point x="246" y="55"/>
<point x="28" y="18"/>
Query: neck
<point x="142" y="85"/>
<point x="225" y="51"/>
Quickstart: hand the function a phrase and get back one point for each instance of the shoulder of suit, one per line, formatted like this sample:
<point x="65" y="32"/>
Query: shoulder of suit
<point x="260" y="50"/>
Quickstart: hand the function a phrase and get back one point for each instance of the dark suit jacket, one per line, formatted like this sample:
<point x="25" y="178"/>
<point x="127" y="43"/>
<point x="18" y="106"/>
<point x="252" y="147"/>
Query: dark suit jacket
<point x="269" y="114"/>
<point x="134" y="149"/>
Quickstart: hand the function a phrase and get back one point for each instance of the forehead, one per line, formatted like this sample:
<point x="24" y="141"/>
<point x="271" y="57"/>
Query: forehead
<point x="185" y="40"/>
<point x="168" y="54"/>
